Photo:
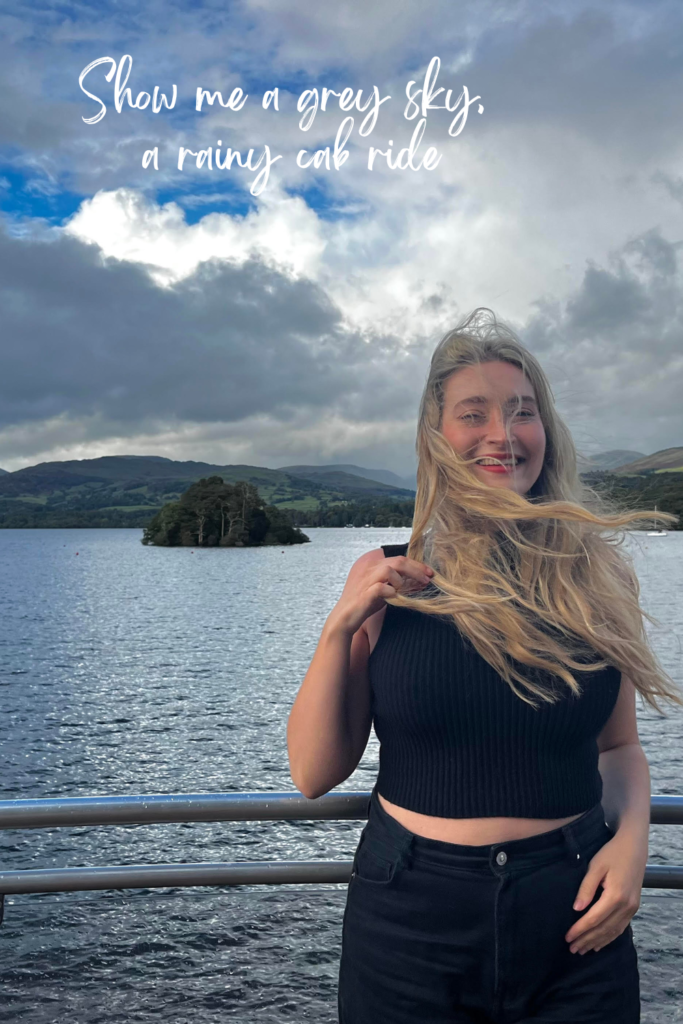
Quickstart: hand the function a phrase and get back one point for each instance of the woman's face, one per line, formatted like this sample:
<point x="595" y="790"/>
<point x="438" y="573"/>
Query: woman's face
<point x="478" y="403"/>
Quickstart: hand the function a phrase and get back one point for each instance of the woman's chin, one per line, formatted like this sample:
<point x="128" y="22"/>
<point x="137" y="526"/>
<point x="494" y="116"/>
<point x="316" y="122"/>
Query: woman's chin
<point x="510" y="481"/>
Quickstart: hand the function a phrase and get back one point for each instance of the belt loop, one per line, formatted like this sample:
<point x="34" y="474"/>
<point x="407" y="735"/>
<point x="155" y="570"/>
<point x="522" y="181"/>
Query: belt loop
<point x="573" y="848"/>
<point x="405" y="854"/>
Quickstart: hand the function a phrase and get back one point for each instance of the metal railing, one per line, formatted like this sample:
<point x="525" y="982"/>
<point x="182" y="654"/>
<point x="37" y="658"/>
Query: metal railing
<point x="139" y="810"/>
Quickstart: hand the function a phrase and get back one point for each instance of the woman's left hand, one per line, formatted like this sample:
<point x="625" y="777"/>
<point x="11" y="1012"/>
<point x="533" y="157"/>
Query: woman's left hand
<point x="619" y="867"/>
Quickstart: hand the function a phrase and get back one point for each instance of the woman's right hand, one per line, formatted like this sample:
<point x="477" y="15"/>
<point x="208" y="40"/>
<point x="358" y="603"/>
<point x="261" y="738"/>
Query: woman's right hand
<point x="372" y="579"/>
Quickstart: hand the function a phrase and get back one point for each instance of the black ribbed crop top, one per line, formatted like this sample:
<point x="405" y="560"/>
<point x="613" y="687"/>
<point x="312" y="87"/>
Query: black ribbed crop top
<point x="456" y="741"/>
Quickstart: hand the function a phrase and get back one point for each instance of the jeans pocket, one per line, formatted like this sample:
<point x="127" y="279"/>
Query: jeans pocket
<point x="373" y="864"/>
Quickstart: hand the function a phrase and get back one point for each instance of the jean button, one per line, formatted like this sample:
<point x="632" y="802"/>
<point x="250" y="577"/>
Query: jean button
<point x="501" y="858"/>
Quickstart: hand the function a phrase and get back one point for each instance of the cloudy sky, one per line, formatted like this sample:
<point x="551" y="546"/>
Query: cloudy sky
<point x="207" y="313"/>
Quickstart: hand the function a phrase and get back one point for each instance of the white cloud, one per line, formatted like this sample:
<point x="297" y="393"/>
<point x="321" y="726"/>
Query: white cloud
<point x="127" y="226"/>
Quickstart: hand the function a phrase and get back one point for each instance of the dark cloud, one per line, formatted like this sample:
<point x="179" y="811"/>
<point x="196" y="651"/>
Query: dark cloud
<point x="615" y="347"/>
<point x="85" y="337"/>
<point x="606" y="301"/>
<point x="99" y="343"/>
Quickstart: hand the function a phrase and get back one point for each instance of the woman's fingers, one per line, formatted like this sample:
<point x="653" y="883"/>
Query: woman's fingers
<point x="404" y="582"/>
<point x="601" y="935"/>
<point x="409" y="568"/>
<point x="368" y="587"/>
<point x="599" y="912"/>
<point x="612" y="910"/>
<point x="393" y="578"/>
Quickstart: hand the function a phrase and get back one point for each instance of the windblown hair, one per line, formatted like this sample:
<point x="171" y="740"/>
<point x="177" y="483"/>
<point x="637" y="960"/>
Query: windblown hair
<point x="539" y="583"/>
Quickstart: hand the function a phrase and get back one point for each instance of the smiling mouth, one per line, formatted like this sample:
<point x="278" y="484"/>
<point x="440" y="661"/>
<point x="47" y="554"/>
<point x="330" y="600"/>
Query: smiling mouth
<point x="505" y="461"/>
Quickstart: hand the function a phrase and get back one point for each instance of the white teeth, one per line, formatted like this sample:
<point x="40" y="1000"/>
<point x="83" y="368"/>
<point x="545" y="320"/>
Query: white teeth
<point x="497" y="462"/>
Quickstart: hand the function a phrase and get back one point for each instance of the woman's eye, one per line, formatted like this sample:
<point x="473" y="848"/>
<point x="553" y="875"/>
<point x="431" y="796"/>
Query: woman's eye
<point x="477" y="417"/>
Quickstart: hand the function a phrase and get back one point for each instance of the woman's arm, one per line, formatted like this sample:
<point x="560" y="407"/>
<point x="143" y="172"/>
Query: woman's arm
<point x="626" y="791"/>
<point x="624" y="770"/>
<point x="330" y="721"/>
<point x="620" y="865"/>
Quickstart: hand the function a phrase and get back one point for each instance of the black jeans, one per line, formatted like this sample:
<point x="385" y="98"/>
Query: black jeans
<point x="439" y="932"/>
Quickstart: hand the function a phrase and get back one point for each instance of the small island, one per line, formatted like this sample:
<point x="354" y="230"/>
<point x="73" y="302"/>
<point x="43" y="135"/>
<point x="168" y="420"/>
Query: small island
<point x="211" y="513"/>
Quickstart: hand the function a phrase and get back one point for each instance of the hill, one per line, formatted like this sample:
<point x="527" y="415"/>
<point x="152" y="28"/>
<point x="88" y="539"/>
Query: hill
<point x="666" y="459"/>
<point x="611" y="460"/>
<point x="128" y="490"/>
<point x="384" y="476"/>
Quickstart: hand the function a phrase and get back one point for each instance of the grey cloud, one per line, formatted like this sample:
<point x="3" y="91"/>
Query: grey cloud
<point x="606" y="301"/>
<point x="101" y="345"/>
<point x="607" y="71"/>
<point x="673" y="186"/>
<point x="87" y="338"/>
<point x="610" y="73"/>
<point x="615" y="347"/>
<point x="32" y="122"/>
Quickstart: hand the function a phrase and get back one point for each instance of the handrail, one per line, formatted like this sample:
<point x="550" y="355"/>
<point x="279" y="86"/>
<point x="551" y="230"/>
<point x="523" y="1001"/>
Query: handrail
<point x="144" y="810"/>
<point x="134" y="810"/>
<point x="162" y="876"/>
<point x="178" y="807"/>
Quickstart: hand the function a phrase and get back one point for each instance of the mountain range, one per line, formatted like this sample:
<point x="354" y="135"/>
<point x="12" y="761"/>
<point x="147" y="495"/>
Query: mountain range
<point x="665" y="461"/>
<point x="126" y="490"/>
<point x="610" y="461"/>
<point x="122" y="468"/>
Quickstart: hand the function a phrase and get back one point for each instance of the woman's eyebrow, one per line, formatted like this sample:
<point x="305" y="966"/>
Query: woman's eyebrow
<point x="483" y="400"/>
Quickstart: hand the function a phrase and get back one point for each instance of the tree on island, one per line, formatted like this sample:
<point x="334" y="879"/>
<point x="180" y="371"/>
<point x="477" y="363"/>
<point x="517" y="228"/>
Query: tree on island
<point x="212" y="513"/>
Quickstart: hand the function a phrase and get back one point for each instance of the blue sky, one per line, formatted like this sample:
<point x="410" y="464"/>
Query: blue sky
<point x="296" y="326"/>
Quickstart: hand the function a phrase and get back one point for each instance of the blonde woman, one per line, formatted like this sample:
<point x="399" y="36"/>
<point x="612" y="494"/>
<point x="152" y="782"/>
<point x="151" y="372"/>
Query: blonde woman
<point x="498" y="655"/>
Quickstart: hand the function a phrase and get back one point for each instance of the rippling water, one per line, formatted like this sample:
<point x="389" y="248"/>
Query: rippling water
<point x="126" y="669"/>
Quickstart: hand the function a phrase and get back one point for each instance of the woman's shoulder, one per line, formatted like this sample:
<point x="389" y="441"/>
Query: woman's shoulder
<point x="391" y="550"/>
<point x="379" y="554"/>
<point x="363" y="563"/>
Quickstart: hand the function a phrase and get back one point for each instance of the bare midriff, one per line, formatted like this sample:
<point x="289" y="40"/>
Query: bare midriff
<point x="472" y="831"/>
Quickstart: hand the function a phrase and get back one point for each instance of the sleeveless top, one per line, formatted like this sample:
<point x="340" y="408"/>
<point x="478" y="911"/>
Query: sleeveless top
<point x="457" y="742"/>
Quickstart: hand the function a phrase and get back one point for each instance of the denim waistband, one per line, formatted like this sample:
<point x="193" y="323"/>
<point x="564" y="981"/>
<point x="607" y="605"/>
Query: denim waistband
<point x="384" y="831"/>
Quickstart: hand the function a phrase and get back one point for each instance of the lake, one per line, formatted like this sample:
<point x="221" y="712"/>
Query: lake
<point x="127" y="669"/>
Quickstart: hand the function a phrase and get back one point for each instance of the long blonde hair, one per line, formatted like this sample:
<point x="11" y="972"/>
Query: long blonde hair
<point x="540" y="583"/>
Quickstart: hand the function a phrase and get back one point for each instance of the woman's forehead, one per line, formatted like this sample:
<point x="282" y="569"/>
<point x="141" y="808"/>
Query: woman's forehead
<point x="486" y="380"/>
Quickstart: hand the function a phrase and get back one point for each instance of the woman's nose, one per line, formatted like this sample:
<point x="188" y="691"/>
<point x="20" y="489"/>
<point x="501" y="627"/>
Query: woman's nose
<point x="497" y="427"/>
